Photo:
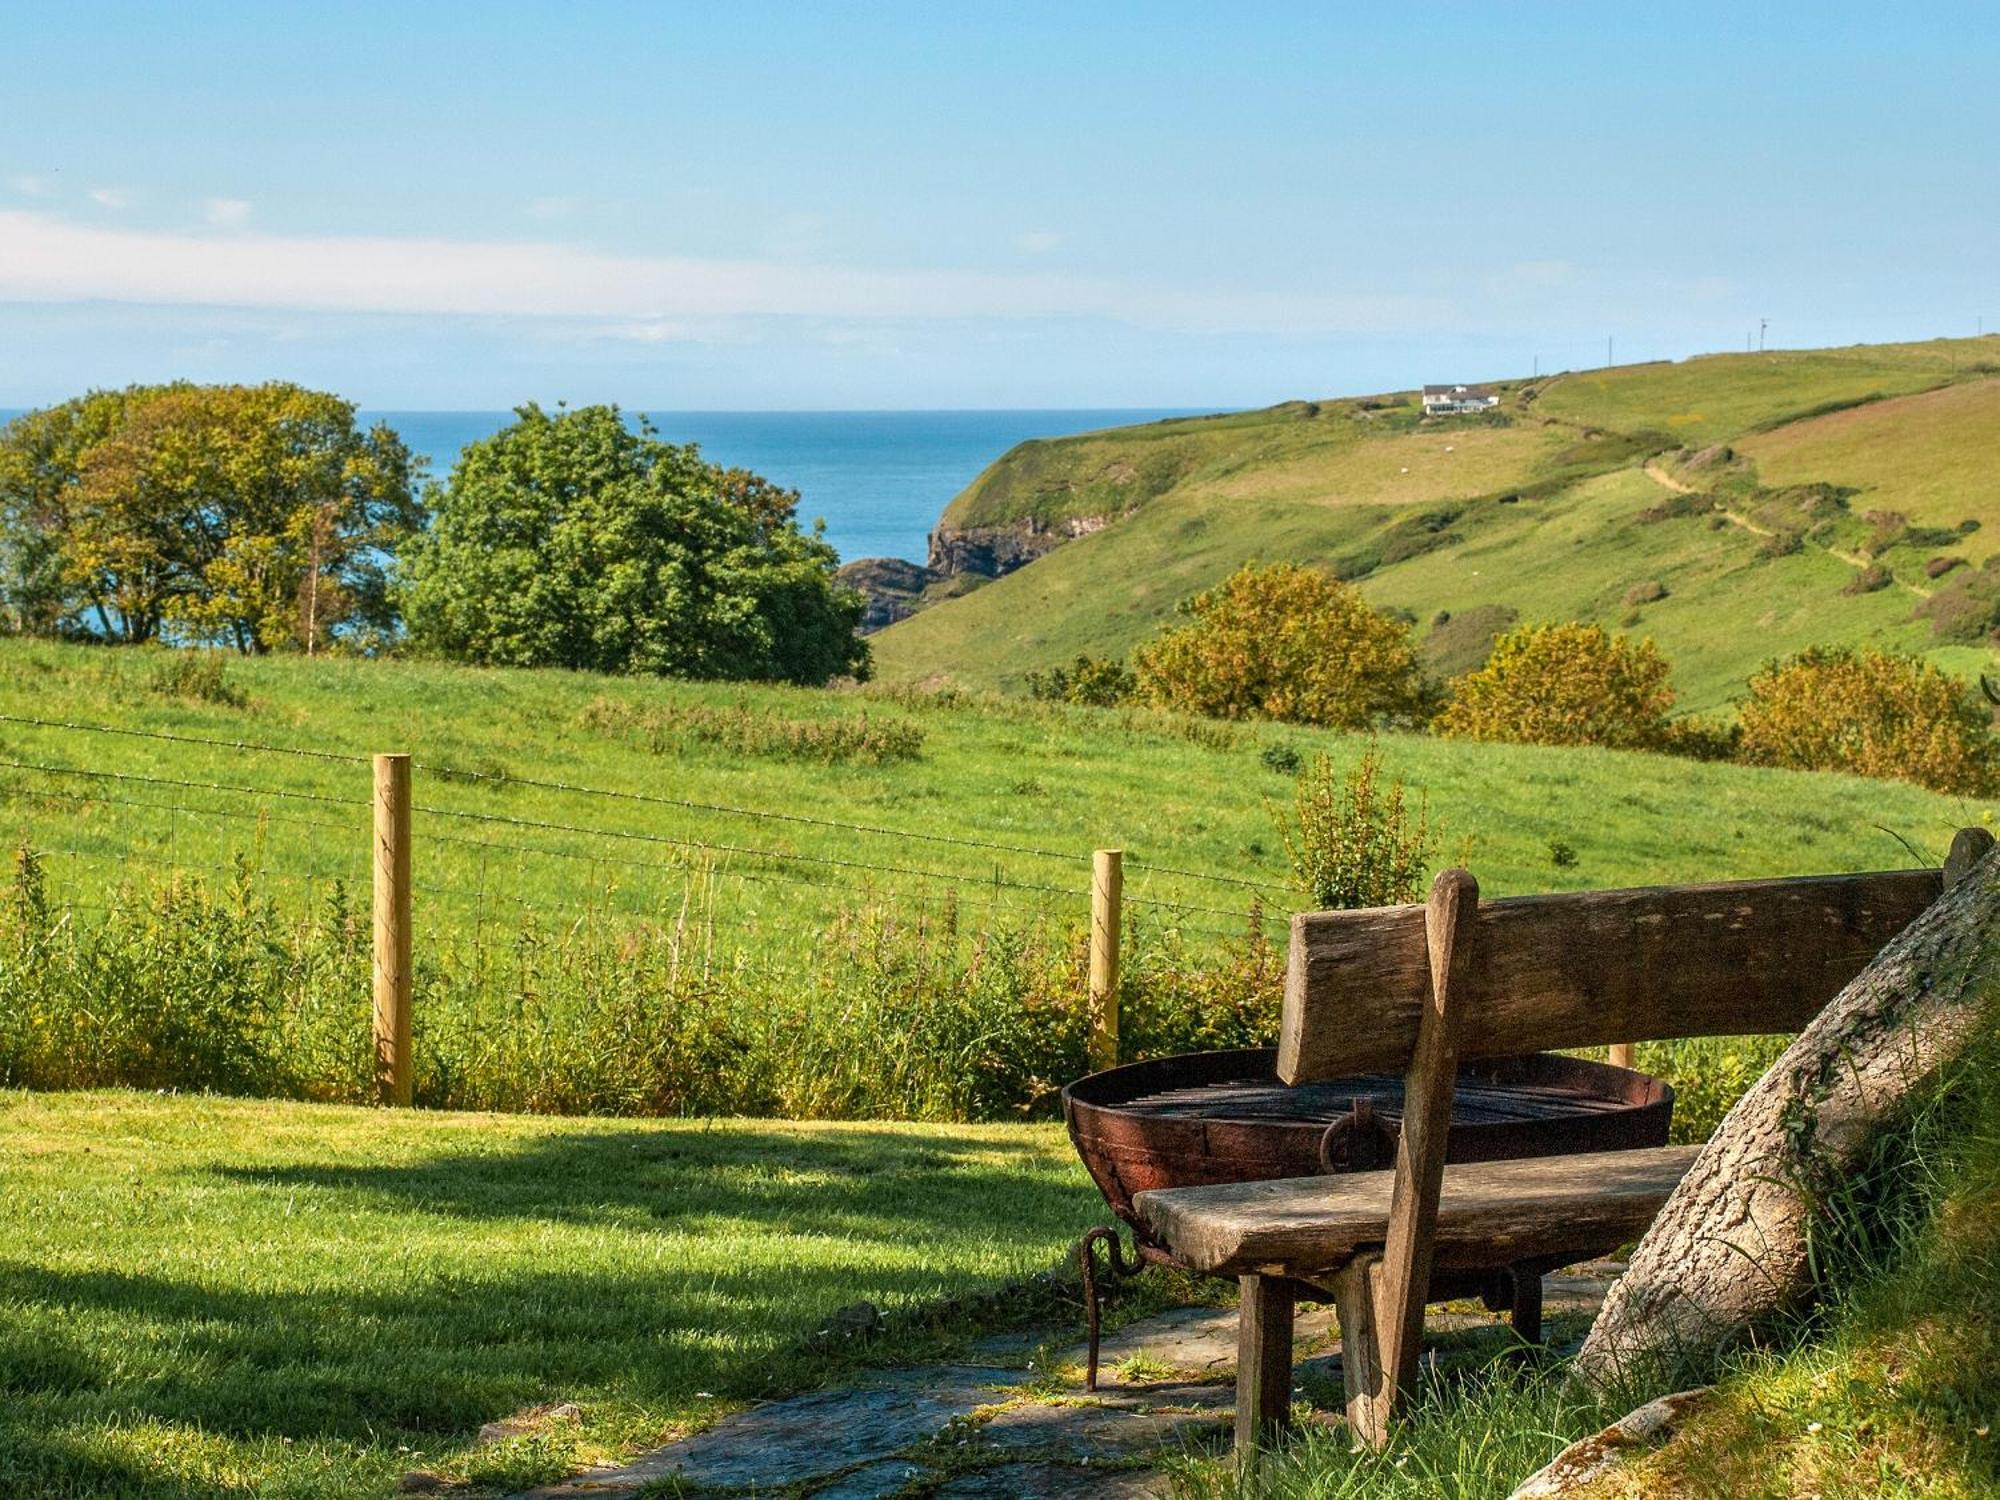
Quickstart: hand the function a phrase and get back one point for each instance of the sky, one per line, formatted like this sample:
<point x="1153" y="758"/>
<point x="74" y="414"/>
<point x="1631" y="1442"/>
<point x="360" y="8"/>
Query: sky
<point x="902" y="206"/>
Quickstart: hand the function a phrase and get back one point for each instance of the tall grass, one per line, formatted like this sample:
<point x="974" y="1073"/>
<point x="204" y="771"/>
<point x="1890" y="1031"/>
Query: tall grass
<point x="183" y="983"/>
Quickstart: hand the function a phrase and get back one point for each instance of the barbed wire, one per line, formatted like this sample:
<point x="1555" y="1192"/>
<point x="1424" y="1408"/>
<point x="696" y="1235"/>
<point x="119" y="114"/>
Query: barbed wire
<point x="199" y="786"/>
<point x="185" y="739"/>
<point x="460" y="774"/>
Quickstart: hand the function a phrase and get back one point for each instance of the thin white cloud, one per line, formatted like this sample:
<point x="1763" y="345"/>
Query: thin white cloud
<point x="554" y="207"/>
<point x="226" y="213"/>
<point x="47" y="258"/>
<point x="28" y="185"/>
<point x="110" y="197"/>
<point x="1037" y="241"/>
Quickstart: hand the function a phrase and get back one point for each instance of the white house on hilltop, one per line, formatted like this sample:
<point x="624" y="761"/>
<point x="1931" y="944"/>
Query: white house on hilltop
<point x="1448" y="400"/>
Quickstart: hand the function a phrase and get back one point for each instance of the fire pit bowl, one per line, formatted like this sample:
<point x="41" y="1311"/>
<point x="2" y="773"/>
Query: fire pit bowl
<point x="1216" y="1117"/>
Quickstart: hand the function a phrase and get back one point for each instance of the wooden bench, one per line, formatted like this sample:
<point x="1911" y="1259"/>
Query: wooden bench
<point x="1424" y="987"/>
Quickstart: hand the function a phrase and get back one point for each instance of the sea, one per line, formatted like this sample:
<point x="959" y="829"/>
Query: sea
<point x="878" y="478"/>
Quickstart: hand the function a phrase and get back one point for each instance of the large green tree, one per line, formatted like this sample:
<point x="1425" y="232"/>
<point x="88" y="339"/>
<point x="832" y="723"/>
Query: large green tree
<point x="569" y="539"/>
<point x="258" y="516"/>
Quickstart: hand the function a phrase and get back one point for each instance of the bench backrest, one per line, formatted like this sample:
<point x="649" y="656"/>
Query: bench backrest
<point x="1588" y="967"/>
<point x="1420" y="988"/>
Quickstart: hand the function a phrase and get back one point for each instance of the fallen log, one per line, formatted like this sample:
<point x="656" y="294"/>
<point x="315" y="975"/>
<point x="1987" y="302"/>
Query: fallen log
<point x="1729" y="1251"/>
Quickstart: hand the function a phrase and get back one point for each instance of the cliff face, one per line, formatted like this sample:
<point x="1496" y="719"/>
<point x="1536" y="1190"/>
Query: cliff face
<point x="892" y="587"/>
<point x="994" y="551"/>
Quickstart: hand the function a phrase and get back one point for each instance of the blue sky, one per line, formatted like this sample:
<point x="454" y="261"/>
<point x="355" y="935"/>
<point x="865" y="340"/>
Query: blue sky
<point x="750" y="206"/>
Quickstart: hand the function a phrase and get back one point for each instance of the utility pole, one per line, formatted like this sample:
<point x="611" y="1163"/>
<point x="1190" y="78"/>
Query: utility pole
<point x="1609" y="358"/>
<point x="1762" y="324"/>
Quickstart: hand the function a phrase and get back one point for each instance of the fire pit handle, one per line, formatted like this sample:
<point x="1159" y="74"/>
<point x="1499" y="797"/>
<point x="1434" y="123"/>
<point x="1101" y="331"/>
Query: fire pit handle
<point x="1361" y="1135"/>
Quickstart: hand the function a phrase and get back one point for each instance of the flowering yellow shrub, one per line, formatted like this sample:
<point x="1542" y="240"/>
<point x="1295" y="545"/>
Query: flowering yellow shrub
<point x="1283" y="642"/>
<point x="1873" y="713"/>
<point x="1565" y="684"/>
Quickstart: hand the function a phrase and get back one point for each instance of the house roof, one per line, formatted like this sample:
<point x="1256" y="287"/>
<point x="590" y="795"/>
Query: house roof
<point x="1461" y="392"/>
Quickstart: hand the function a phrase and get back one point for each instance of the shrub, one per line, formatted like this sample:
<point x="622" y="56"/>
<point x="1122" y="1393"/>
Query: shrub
<point x="1937" y="567"/>
<point x="740" y="731"/>
<point x="1095" y="681"/>
<point x="1567" y="684"/>
<point x="1649" y="592"/>
<point x="1780" y="544"/>
<point x="1281" y="758"/>
<point x="1562" y="854"/>
<point x="1287" y="643"/>
<point x="1965" y="609"/>
<point x="1868" y="580"/>
<point x="1351" y="840"/>
<point x="1873" y="713"/>
<point x="197" y="674"/>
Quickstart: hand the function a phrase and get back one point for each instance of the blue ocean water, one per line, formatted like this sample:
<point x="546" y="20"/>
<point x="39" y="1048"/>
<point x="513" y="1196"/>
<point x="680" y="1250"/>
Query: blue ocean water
<point x="879" y="478"/>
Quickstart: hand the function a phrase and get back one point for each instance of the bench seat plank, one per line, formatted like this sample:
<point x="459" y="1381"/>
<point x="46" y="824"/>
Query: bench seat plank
<point x="1489" y="1213"/>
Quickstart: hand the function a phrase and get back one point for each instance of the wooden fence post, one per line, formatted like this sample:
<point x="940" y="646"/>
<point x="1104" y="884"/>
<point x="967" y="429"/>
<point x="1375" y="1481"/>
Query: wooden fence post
<point x="392" y="929"/>
<point x="1107" y="890"/>
<point x="1621" y="1055"/>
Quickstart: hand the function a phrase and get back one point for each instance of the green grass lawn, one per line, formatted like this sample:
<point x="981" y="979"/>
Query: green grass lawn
<point x="204" y="1298"/>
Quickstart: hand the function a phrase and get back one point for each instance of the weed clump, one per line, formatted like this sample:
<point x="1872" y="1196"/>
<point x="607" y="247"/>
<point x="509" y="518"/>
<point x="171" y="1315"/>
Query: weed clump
<point x="1353" y="840"/>
<point x="199" y="675"/>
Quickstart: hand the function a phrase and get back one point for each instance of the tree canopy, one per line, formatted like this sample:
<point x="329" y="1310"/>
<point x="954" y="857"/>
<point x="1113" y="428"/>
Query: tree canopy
<point x="259" y="517"/>
<point x="568" y="539"/>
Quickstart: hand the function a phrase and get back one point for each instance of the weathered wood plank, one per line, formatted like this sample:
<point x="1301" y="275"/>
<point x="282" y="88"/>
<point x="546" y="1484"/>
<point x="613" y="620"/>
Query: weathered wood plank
<point x="1263" y="1360"/>
<point x="1489" y="1213"/>
<point x="1427" y="1091"/>
<point x="1368" y="1393"/>
<point x="1581" y="968"/>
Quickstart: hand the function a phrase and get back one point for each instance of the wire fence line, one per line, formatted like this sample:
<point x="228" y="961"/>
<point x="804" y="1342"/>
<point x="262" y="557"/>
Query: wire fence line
<point x="792" y="871"/>
<point x="451" y="773"/>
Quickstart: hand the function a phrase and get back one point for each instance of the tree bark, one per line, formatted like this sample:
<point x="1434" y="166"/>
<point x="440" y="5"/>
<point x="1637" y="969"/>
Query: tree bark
<point x="1729" y="1251"/>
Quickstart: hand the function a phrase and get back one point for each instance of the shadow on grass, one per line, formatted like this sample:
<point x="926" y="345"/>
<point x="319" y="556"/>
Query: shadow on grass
<point x="843" y="1180"/>
<point x="436" y="1330"/>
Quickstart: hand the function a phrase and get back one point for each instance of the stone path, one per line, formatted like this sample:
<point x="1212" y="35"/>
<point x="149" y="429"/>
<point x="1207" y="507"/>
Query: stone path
<point x="999" y="1428"/>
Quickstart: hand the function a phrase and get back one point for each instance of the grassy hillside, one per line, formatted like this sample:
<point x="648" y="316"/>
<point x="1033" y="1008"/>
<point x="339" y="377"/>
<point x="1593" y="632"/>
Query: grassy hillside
<point x="1177" y="796"/>
<point x="1540" y="513"/>
<point x="1935" y="457"/>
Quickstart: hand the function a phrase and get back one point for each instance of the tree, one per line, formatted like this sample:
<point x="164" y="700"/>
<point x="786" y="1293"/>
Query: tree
<point x="1283" y="642"/>
<point x="256" y="516"/>
<point x="1873" y="713"/>
<point x="568" y="539"/>
<point x="1565" y="684"/>
<point x="1731" y="1251"/>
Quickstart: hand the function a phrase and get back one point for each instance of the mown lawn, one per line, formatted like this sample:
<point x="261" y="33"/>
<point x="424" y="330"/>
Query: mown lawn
<point x="202" y="1298"/>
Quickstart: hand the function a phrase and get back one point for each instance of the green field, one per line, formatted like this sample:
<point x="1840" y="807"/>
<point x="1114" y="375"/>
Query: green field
<point x="1540" y="515"/>
<point x="206" y="1298"/>
<point x="1176" y="795"/>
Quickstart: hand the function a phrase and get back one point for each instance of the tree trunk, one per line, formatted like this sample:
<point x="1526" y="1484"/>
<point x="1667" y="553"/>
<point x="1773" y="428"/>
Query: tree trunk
<point x="1729" y="1250"/>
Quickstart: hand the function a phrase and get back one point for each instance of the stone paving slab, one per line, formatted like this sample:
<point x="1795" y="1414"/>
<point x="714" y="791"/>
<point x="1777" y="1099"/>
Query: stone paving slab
<point x="879" y="1437"/>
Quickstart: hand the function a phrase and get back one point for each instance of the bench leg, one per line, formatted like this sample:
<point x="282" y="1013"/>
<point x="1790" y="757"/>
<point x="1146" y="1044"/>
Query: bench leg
<point x="1263" y="1361"/>
<point x="1370" y="1396"/>
<point x="1528" y="1304"/>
